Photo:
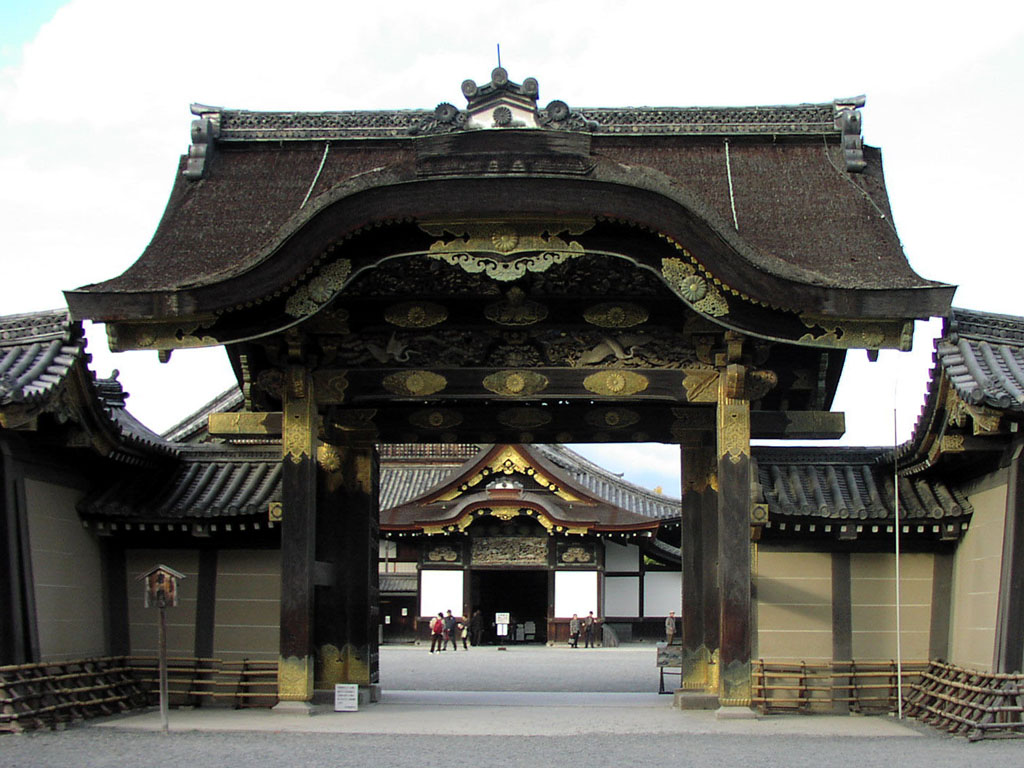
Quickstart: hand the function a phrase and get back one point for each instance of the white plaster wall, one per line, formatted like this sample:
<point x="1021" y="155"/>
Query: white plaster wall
<point x="621" y="557"/>
<point x="622" y="596"/>
<point x="663" y="593"/>
<point x="575" y="592"/>
<point x="248" y="605"/>
<point x="66" y="574"/>
<point x="441" y="591"/>
<point x="794" y="605"/>
<point x="976" y="568"/>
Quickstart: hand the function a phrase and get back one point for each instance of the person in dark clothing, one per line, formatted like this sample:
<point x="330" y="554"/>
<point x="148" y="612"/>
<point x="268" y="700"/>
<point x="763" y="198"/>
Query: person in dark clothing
<point x="476" y="627"/>
<point x="574" y="631"/>
<point x="450" y="631"/>
<point x="588" y="630"/>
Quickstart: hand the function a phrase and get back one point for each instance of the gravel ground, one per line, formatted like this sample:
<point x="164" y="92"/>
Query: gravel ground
<point x="427" y="723"/>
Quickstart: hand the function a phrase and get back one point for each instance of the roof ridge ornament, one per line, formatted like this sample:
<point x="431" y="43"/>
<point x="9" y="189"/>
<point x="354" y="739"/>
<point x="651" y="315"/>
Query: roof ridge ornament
<point x="502" y="103"/>
<point x="848" y="121"/>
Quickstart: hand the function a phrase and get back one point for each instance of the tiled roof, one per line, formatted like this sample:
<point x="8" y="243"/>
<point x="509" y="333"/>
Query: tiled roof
<point x="849" y="484"/>
<point x="982" y="354"/>
<point x="398" y="582"/>
<point x="211" y="481"/>
<point x="36" y="352"/>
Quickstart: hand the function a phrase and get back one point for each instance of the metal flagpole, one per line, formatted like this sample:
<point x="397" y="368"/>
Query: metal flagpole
<point x="896" y="505"/>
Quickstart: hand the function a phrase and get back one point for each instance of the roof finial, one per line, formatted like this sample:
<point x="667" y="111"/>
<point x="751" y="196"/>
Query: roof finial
<point x="499" y="54"/>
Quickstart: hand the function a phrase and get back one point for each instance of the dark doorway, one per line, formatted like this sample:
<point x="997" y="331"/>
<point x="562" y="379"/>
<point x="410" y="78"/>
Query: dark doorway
<point x="523" y="594"/>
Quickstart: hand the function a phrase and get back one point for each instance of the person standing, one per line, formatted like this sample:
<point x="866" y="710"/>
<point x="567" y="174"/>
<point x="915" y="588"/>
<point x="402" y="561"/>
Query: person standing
<point x="588" y="630"/>
<point x="574" y="631"/>
<point x="670" y="627"/>
<point x="450" y="631"/>
<point x="436" y="633"/>
<point x="476" y="627"/>
<point x="464" y="633"/>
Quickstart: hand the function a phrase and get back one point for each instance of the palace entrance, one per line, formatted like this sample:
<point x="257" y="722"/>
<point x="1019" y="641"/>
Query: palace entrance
<point x="512" y="274"/>
<point x="521" y="593"/>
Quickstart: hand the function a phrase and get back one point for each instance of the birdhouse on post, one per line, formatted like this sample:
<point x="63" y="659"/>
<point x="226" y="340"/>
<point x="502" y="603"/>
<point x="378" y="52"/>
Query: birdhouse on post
<point x="161" y="586"/>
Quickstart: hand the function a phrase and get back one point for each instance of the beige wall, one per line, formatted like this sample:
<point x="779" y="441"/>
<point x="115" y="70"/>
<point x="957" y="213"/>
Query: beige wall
<point x="181" y="621"/>
<point x="248" y="605"/>
<point x="66" y="574"/>
<point x="873" y="605"/>
<point x="794" y="605"/>
<point x="976" y="568"/>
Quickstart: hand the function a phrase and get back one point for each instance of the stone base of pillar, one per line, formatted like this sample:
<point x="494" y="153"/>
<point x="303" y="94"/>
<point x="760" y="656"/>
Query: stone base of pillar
<point x="294" y="707"/>
<point x="735" y="713"/>
<point x="685" y="699"/>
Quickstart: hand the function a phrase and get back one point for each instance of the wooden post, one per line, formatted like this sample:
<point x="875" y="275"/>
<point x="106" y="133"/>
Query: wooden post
<point x="162" y="651"/>
<point x="734" y="505"/>
<point x="347" y="606"/>
<point x="298" y="535"/>
<point x="698" y="558"/>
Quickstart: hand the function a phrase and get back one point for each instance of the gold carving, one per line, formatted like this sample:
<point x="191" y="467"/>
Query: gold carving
<point x="491" y="247"/>
<point x="299" y="422"/>
<point x="443" y="555"/>
<point x="330" y="386"/>
<point x="245" y="424"/>
<point x="735" y="684"/>
<point x="516" y="383"/>
<point x="986" y="420"/>
<point x="701" y="385"/>
<point x="515" y="310"/>
<point x="613" y="418"/>
<point x="416" y="314"/>
<point x="852" y="334"/>
<point x="699" y="467"/>
<point x="509" y="550"/>
<point x="733" y="415"/>
<point x="505" y="513"/>
<point x="160" y="336"/>
<point x="353" y="419"/>
<point x="295" y="678"/>
<point x="327" y="456"/>
<point x="414" y="383"/>
<point x="524" y="418"/>
<point x="760" y="383"/>
<point x="321" y="289"/>
<point x="344" y="665"/>
<point x="616" y="315"/>
<point x="615" y="383"/>
<point x="695" y="289"/>
<point x="952" y="443"/>
<point x="508" y="461"/>
<point x="275" y="511"/>
<point x="435" y="419"/>
<point x="695" y="669"/>
<point x="577" y="554"/>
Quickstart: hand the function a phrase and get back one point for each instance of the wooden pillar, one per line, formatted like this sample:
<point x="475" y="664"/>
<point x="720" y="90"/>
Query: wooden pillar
<point x="734" y="551"/>
<point x="698" y="549"/>
<point x="298" y="535"/>
<point x="347" y="605"/>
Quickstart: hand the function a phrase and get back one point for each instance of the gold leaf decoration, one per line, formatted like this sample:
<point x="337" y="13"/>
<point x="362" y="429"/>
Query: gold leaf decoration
<point x="852" y="334"/>
<point x="416" y="314"/>
<point x="516" y="383"/>
<point x="701" y="385"/>
<point x="330" y="386"/>
<point x="612" y="418"/>
<point x="435" y="419"/>
<point x="760" y="383"/>
<point x="616" y="315"/>
<point x="311" y="296"/>
<point x="700" y="293"/>
<point x="515" y="310"/>
<point x="505" y="513"/>
<point x="524" y="418"/>
<point x="615" y="383"/>
<point x="502" y="250"/>
<point x="414" y="383"/>
<point x="327" y="456"/>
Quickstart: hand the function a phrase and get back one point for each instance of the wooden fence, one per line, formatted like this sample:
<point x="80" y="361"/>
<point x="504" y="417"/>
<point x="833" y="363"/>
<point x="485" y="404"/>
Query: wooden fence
<point x="977" y="705"/>
<point x="51" y="694"/>
<point x="840" y="686"/>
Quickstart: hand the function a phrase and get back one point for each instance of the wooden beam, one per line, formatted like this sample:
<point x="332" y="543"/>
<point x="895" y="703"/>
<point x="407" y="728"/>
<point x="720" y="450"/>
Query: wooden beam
<point x="797" y="425"/>
<point x="245" y="424"/>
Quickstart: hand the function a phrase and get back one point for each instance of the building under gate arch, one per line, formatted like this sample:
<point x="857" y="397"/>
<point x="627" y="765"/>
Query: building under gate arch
<point x="512" y="274"/>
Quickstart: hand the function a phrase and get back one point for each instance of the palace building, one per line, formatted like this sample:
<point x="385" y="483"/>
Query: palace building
<point x="422" y="306"/>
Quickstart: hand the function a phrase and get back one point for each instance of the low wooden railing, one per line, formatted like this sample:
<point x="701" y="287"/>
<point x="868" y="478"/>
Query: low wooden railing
<point x="854" y="686"/>
<point x="977" y="705"/>
<point x="53" y="693"/>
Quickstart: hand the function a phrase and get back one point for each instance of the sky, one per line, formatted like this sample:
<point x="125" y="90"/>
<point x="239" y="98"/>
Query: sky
<point x="94" y="113"/>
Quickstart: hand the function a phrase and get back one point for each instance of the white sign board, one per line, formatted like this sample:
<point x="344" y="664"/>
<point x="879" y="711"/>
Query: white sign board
<point x="346" y="697"/>
<point x="501" y="618"/>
